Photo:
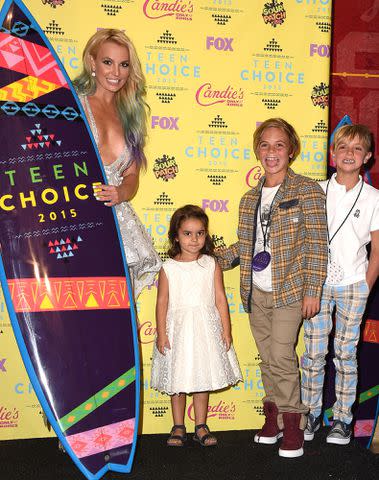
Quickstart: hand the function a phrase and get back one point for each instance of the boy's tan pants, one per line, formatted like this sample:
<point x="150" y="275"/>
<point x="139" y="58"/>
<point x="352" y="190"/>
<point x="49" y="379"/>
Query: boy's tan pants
<point x="275" y="331"/>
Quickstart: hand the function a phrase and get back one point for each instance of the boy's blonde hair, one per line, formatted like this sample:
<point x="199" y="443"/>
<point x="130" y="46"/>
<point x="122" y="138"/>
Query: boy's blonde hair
<point x="283" y="125"/>
<point x="348" y="132"/>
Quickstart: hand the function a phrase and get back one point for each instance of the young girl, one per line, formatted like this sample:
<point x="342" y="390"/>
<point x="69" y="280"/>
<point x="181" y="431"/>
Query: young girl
<point x="193" y="351"/>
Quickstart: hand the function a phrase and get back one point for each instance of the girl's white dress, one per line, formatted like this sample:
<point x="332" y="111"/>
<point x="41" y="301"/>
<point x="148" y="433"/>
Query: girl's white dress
<point x="198" y="360"/>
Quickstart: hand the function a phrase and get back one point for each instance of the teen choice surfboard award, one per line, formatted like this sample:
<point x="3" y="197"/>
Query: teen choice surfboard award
<point x="62" y="268"/>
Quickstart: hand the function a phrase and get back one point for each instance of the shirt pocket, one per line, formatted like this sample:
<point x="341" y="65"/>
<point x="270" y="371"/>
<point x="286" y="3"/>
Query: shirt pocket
<point x="290" y="214"/>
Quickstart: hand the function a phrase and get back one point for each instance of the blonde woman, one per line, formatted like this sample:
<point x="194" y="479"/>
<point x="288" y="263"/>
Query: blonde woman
<point x="112" y="89"/>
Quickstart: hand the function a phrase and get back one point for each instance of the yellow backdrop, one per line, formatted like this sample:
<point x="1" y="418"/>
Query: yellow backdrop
<point x="214" y="68"/>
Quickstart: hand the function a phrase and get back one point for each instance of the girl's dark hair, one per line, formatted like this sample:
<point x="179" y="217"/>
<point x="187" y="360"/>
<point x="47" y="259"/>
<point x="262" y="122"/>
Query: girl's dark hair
<point x="179" y="216"/>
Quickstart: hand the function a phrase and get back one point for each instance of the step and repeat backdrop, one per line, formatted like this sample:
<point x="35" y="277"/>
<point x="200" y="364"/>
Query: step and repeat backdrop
<point x="214" y="69"/>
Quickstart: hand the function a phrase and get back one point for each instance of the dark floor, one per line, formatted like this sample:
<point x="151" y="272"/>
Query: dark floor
<point x="235" y="458"/>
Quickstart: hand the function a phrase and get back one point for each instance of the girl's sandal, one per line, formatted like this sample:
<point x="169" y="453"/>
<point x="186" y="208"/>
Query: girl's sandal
<point x="175" y="440"/>
<point x="207" y="440"/>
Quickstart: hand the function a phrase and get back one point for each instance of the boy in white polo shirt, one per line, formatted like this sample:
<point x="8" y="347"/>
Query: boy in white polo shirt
<point x="352" y="208"/>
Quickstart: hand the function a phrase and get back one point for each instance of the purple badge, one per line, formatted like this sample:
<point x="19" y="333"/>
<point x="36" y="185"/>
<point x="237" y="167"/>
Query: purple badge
<point x="261" y="261"/>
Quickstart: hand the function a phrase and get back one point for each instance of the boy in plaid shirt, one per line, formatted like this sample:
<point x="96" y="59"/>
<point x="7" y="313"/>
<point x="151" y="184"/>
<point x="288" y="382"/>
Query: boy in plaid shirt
<point x="353" y="221"/>
<point x="282" y="252"/>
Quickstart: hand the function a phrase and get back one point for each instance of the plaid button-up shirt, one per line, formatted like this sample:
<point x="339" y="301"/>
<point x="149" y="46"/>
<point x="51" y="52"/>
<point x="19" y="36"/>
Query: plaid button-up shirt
<point x="298" y="239"/>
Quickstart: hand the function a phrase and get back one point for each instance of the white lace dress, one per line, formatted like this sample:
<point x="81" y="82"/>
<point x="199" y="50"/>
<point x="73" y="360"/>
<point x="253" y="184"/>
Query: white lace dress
<point x="143" y="261"/>
<point x="198" y="360"/>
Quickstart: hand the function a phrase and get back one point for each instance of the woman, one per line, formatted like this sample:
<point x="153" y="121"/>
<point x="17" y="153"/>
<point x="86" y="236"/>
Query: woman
<point x="112" y="90"/>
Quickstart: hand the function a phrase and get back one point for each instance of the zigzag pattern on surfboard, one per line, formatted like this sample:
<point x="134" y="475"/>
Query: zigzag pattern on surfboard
<point x="60" y="294"/>
<point x="29" y="58"/>
<point x="42" y="156"/>
<point x="26" y="89"/>
<point x="63" y="229"/>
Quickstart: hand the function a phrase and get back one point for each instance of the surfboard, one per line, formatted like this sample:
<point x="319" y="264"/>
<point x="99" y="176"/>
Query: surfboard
<point x="63" y="269"/>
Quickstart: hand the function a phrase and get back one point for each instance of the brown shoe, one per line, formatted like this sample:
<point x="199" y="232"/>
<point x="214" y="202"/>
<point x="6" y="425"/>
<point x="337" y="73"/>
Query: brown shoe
<point x="293" y="436"/>
<point x="270" y="432"/>
<point x="177" y="437"/>
<point x="207" y="439"/>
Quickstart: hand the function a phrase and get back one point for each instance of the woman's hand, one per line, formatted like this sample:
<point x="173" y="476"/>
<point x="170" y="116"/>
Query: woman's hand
<point x="109" y="194"/>
<point x="112" y="195"/>
<point x="163" y="343"/>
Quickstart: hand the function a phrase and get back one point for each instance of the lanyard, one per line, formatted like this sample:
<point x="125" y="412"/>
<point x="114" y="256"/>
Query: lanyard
<point x="344" y="220"/>
<point x="268" y="224"/>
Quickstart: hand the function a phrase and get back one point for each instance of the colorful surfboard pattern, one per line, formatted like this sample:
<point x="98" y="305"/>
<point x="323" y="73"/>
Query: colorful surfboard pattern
<point x="63" y="269"/>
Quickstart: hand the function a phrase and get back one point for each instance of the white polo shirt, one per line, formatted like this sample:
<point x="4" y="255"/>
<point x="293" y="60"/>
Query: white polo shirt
<point x="348" y="247"/>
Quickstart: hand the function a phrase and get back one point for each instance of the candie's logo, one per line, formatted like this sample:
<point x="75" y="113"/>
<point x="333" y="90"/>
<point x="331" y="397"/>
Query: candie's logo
<point x="274" y="13"/>
<point x="253" y="176"/>
<point x="8" y="417"/>
<point x="208" y="95"/>
<point x="165" y="168"/>
<point x="181" y="9"/>
<point x="146" y="332"/>
<point x="320" y="95"/>
<point x="222" y="410"/>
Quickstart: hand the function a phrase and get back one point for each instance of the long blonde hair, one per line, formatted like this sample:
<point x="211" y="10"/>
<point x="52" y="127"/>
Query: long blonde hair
<point x="130" y="99"/>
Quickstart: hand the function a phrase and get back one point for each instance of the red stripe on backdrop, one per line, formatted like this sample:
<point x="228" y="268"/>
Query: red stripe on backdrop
<point x="355" y="67"/>
<point x="355" y="92"/>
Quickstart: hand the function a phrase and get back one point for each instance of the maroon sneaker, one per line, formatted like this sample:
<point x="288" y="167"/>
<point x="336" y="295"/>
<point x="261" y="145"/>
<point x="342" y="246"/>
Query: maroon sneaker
<point x="270" y="432"/>
<point x="293" y="436"/>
